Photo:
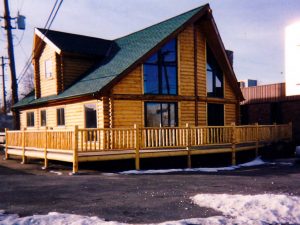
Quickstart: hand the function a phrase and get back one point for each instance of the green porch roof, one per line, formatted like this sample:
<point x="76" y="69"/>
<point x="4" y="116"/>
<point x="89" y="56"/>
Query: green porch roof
<point x="125" y="52"/>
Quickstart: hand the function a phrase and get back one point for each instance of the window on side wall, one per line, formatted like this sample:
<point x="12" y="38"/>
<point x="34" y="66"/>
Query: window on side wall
<point x="161" y="114"/>
<point x="90" y="115"/>
<point x="43" y="118"/>
<point x="215" y="114"/>
<point x="214" y="76"/>
<point x="30" y="119"/>
<point x="160" y="71"/>
<point x="48" y="69"/>
<point x="60" y="113"/>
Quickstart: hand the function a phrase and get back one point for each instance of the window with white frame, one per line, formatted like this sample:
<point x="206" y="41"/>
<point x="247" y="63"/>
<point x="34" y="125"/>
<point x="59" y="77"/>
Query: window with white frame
<point x="48" y="69"/>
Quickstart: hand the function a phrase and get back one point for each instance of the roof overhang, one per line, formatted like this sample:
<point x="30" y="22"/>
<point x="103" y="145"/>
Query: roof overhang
<point x="39" y="38"/>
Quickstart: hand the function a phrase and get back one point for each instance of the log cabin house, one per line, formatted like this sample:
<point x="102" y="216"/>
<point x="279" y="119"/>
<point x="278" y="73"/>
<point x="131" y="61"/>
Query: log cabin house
<point x="169" y="74"/>
<point x="166" y="90"/>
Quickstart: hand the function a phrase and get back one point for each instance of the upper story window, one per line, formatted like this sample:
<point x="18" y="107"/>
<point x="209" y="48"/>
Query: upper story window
<point x="60" y="113"/>
<point x="48" y="69"/>
<point x="160" y="71"/>
<point x="30" y="119"/>
<point x="43" y="118"/>
<point x="214" y="76"/>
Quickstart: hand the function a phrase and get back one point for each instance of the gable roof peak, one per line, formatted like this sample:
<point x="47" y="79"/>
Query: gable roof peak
<point x="74" y="43"/>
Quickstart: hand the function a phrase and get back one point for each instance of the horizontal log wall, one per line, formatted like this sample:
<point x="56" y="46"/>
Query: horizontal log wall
<point x="74" y="115"/>
<point x="73" y="67"/>
<point x="48" y="85"/>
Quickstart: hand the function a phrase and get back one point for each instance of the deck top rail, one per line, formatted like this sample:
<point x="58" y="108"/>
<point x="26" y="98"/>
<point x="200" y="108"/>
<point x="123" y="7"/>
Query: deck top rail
<point x="103" y="139"/>
<point x="72" y="143"/>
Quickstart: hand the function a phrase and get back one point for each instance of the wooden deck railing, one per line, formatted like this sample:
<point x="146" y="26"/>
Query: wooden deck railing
<point x="152" y="138"/>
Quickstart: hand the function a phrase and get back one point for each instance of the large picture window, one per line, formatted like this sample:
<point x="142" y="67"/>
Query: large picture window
<point x="160" y="114"/>
<point x="60" y="113"/>
<point x="214" y="77"/>
<point x="160" y="71"/>
<point x="30" y="119"/>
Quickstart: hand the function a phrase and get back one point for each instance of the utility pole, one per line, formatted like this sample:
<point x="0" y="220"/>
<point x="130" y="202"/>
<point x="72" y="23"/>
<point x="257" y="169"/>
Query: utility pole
<point x="3" y="85"/>
<point x="10" y="48"/>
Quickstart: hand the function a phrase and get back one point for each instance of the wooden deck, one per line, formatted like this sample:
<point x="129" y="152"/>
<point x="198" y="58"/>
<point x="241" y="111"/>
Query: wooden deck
<point x="84" y="145"/>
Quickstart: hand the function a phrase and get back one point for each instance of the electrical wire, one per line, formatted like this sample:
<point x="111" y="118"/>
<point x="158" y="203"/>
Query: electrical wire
<point x="20" y="39"/>
<point x="47" y="27"/>
<point x="28" y="62"/>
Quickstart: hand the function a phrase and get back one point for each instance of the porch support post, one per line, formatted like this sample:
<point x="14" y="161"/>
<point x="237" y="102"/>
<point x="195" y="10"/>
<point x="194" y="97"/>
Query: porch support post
<point x="137" y="147"/>
<point x="75" y="151"/>
<point x="45" y="150"/>
<point x="188" y="146"/>
<point x="233" y="145"/>
<point x="6" y="144"/>
<point x="257" y="139"/>
<point x="24" y="158"/>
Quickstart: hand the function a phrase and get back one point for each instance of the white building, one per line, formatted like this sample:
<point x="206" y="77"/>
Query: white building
<point x="292" y="59"/>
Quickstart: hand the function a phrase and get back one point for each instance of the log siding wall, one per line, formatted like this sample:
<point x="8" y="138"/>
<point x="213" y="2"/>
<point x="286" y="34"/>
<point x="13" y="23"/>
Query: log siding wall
<point x="113" y="112"/>
<point x="128" y="112"/>
<point x="48" y="85"/>
<point x="74" y="115"/>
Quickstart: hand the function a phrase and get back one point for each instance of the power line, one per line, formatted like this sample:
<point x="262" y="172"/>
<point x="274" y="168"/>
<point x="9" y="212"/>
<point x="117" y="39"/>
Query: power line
<point x="28" y="62"/>
<point x="47" y="27"/>
<point x="20" y="39"/>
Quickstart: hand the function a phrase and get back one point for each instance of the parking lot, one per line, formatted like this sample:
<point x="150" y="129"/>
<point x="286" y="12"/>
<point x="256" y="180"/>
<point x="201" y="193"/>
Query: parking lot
<point x="28" y="190"/>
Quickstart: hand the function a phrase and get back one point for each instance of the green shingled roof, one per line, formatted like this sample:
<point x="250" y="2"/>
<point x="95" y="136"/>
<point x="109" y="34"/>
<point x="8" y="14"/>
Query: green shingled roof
<point x="124" y="53"/>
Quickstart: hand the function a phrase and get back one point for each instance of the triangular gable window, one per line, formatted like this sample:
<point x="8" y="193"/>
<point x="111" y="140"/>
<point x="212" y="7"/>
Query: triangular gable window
<point x="214" y="76"/>
<point x="160" y="71"/>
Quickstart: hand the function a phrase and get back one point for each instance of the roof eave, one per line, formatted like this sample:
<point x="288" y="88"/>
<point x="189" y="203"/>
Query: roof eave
<point x="44" y="38"/>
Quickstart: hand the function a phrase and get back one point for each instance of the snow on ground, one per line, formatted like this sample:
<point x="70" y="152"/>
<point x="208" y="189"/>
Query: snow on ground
<point x="256" y="162"/>
<point x="255" y="209"/>
<point x="237" y="209"/>
<point x="56" y="172"/>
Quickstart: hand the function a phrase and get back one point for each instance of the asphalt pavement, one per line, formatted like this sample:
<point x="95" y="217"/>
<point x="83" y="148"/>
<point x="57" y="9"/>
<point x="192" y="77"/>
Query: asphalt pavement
<point x="103" y="192"/>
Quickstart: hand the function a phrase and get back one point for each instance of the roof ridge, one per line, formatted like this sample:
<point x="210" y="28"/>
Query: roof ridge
<point x="62" y="32"/>
<point x="194" y="9"/>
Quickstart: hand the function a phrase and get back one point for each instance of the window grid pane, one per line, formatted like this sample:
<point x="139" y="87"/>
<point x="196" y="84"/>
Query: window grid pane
<point x="61" y="117"/>
<point x="43" y="118"/>
<point x="30" y="119"/>
<point x="214" y="76"/>
<point x="160" y="71"/>
<point x="160" y="114"/>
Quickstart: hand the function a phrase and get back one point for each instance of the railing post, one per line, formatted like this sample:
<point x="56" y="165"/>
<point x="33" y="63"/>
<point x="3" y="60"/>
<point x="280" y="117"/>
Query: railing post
<point x="233" y="144"/>
<point x="75" y="151"/>
<point x="188" y="146"/>
<point x="45" y="149"/>
<point x="257" y="139"/>
<point x="24" y="159"/>
<point x="6" y="144"/>
<point x="137" y="147"/>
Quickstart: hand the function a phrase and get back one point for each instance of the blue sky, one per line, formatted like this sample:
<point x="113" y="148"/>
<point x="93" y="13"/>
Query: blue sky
<point x="253" y="29"/>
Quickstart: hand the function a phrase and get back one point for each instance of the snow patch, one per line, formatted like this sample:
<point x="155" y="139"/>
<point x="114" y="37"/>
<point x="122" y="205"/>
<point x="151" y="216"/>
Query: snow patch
<point x="53" y="218"/>
<point x="256" y="162"/>
<point x="254" y="209"/>
<point x="237" y="209"/>
<point x="56" y="172"/>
